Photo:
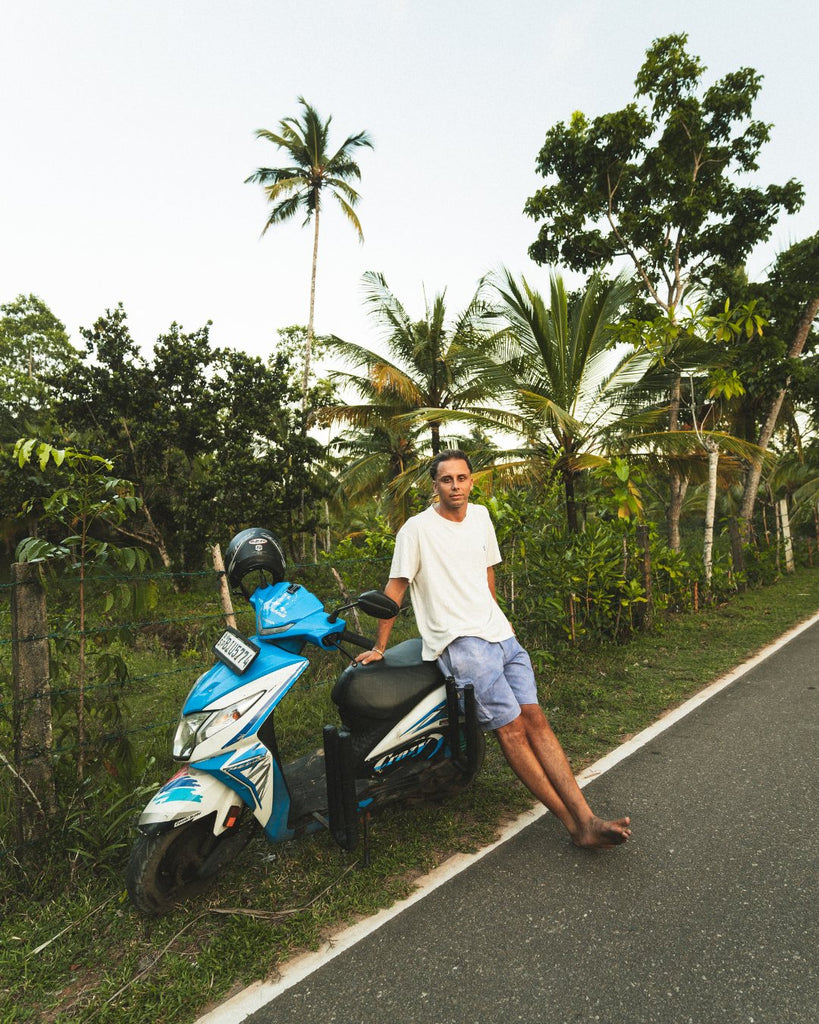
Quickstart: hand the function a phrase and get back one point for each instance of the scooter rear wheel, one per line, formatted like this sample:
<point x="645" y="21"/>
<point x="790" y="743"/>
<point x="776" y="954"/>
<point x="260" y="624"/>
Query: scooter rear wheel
<point x="443" y="779"/>
<point x="165" y="869"/>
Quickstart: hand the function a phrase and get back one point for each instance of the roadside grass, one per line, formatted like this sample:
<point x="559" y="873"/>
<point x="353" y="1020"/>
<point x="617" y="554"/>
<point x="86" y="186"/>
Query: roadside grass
<point x="89" y="957"/>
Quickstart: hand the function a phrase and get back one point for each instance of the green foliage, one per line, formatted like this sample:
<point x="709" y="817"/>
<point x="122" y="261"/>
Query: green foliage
<point x="561" y="587"/>
<point x="660" y="181"/>
<point x="88" y="495"/>
<point x="212" y="438"/>
<point x="622" y="483"/>
<point x="84" y="503"/>
<point x="34" y="347"/>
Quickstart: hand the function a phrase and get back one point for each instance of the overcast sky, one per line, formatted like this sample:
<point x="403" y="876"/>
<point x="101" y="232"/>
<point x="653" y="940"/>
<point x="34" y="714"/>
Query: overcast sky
<point x="128" y="130"/>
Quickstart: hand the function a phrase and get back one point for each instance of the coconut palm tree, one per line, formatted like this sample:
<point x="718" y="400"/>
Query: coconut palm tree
<point x="375" y="457"/>
<point x="299" y="186"/>
<point x="580" y="396"/>
<point x="569" y="385"/>
<point x="435" y="367"/>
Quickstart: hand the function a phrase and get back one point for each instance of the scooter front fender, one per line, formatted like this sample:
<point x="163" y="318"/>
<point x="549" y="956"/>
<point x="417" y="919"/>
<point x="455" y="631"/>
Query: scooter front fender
<point x="193" y="794"/>
<point x="185" y="797"/>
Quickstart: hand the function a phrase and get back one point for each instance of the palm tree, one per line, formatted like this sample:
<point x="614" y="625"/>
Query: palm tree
<point x="299" y="186"/>
<point x="375" y="458"/>
<point x="567" y="381"/>
<point x="434" y="371"/>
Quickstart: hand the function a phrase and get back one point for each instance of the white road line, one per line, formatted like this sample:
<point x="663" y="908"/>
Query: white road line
<point x="257" y="995"/>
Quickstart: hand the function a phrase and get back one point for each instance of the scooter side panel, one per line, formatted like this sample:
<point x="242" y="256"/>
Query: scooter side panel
<point x="421" y="733"/>
<point x="255" y="777"/>
<point x="219" y="685"/>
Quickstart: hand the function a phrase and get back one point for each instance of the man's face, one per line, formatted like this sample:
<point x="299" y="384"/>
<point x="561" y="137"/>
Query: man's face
<point x="453" y="484"/>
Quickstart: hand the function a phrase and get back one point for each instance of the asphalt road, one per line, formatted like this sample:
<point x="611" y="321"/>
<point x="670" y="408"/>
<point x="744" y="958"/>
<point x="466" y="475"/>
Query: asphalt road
<point x="709" y="914"/>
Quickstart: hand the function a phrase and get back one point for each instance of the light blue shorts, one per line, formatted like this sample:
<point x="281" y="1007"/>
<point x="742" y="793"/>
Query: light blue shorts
<point x="501" y="674"/>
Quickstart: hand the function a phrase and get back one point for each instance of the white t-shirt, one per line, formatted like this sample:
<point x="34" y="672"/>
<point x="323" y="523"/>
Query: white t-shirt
<point x="445" y="563"/>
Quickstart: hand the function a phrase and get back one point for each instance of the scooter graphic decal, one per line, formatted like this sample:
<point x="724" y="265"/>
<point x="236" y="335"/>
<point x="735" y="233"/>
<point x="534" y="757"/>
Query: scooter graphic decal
<point x="182" y="787"/>
<point x="429" y="746"/>
<point x="433" y="717"/>
<point x="252" y="771"/>
<point x="247" y="773"/>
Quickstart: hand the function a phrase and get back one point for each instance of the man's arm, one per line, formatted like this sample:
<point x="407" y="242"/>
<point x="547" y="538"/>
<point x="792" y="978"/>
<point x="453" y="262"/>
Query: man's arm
<point x="396" y="588"/>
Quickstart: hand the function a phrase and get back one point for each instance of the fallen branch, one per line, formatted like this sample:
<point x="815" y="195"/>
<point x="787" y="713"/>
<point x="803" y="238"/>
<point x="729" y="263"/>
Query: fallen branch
<point x="280" y="915"/>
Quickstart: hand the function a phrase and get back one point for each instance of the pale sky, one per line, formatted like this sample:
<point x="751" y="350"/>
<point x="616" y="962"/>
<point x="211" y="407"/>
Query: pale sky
<point x="128" y="130"/>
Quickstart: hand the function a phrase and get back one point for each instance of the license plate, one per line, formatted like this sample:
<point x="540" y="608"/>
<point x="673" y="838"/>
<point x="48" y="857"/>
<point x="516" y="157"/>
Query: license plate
<point x="235" y="651"/>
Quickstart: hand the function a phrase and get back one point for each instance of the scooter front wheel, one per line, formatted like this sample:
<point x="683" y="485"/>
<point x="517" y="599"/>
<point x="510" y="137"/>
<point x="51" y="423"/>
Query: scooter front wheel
<point x="167" y="868"/>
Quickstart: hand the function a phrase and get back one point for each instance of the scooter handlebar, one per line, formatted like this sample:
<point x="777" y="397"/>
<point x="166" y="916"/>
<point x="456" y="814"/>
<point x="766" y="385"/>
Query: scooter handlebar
<point x="357" y="639"/>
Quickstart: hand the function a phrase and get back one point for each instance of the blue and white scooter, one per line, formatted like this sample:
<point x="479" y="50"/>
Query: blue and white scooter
<point x="403" y="734"/>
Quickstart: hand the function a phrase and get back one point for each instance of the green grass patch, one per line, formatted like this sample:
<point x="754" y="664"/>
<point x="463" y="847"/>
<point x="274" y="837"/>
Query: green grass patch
<point x="89" y="957"/>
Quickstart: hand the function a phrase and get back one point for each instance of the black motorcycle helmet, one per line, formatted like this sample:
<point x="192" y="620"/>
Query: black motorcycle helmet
<point x="254" y="550"/>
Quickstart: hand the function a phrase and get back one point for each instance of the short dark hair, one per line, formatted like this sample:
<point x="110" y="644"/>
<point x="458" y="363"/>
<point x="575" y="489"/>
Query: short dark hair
<point x="450" y="453"/>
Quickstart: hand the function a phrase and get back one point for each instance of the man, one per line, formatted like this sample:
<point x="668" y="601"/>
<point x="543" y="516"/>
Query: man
<point x="446" y="556"/>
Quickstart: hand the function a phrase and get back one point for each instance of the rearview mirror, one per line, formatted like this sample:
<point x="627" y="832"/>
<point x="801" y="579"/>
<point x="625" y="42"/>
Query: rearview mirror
<point x="373" y="602"/>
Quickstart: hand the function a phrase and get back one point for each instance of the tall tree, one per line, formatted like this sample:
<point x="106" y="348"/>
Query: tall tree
<point x="34" y="347"/>
<point x="792" y="292"/>
<point x="434" y="364"/>
<point x="660" y="184"/>
<point x="567" y="382"/>
<point x="299" y="186"/>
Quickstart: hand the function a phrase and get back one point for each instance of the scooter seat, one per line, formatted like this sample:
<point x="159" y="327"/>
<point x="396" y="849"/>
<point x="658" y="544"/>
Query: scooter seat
<point x="388" y="688"/>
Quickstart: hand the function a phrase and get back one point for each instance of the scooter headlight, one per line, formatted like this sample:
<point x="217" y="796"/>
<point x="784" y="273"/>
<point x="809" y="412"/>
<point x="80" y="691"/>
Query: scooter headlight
<point x="185" y="738"/>
<point x="202" y="725"/>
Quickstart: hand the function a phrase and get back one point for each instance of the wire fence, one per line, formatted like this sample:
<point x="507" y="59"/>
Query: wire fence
<point x="181" y="640"/>
<point x="144" y="642"/>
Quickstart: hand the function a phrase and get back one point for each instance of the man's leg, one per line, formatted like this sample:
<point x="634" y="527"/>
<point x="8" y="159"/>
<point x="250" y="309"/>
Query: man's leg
<point x="537" y="758"/>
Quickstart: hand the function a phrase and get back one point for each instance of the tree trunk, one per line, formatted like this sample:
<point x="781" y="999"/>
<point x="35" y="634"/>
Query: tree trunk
<point x="785" y="526"/>
<point x="678" y="484"/>
<point x="308" y="345"/>
<point x="746" y="510"/>
<point x="571" y="504"/>
<point x="710" y="510"/>
<point x="435" y="433"/>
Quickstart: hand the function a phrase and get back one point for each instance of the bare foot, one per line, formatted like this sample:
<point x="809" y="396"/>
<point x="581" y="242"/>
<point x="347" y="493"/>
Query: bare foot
<point x="602" y="835"/>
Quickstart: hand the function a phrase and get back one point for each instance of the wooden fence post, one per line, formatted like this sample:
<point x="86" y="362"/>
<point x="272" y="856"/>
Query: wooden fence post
<point x="224" y="588"/>
<point x="33" y="770"/>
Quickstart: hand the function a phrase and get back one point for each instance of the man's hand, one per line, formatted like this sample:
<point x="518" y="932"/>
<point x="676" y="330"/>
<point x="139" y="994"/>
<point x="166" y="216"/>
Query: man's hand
<point x="376" y="654"/>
